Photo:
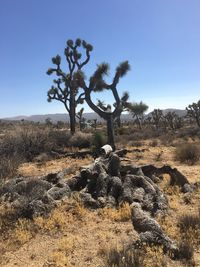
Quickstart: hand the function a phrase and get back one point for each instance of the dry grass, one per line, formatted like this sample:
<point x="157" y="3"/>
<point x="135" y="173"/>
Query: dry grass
<point x="132" y="257"/>
<point x="122" y="214"/>
<point x="189" y="225"/>
<point x="60" y="256"/>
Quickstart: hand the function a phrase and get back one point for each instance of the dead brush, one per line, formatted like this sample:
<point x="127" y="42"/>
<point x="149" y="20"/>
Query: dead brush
<point x="153" y="143"/>
<point x="8" y="166"/>
<point x="188" y="221"/>
<point x="64" y="214"/>
<point x="122" y="214"/>
<point x="186" y="250"/>
<point x="189" y="225"/>
<point x="60" y="255"/>
<point x="187" y="153"/>
<point x="125" y="258"/>
<point x="135" y="257"/>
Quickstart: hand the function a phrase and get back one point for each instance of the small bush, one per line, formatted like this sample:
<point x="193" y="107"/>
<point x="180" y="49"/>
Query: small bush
<point x="59" y="139"/>
<point x="27" y="142"/>
<point x="186" y="250"/>
<point x="8" y="166"/>
<point x="125" y="258"/>
<point x="98" y="140"/>
<point x="154" y="143"/>
<point x="122" y="131"/>
<point x="189" y="221"/>
<point x="188" y="153"/>
<point x="80" y="140"/>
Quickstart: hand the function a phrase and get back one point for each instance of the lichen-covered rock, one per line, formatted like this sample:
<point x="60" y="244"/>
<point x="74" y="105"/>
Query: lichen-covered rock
<point x="37" y="208"/>
<point x="150" y="231"/>
<point x="58" y="193"/>
<point x="187" y="188"/>
<point x="88" y="200"/>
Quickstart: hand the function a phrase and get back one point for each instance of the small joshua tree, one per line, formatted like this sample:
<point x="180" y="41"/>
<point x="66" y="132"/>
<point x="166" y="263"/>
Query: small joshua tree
<point x="124" y="107"/>
<point x="79" y="115"/>
<point x="137" y="110"/>
<point x="66" y="88"/>
<point x="193" y="111"/>
<point x="157" y="116"/>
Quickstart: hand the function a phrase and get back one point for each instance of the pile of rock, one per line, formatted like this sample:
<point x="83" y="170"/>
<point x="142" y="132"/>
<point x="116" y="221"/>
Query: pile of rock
<point x="107" y="182"/>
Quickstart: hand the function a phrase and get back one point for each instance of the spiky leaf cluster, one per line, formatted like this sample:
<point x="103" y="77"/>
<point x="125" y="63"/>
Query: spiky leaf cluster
<point x="137" y="109"/>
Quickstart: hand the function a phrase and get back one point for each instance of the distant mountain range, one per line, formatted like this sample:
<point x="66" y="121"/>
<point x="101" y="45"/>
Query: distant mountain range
<point x="88" y="116"/>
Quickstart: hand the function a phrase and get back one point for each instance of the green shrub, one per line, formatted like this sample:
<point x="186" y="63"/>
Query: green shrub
<point x="98" y="140"/>
<point x="188" y="153"/>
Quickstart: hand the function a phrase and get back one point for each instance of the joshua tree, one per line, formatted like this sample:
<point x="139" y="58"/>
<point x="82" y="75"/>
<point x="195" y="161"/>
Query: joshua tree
<point x="137" y="110"/>
<point x="193" y="111"/>
<point x="98" y="84"/>
<point x="95" y="124"/>
<point x="48" y="122"/>
<point x="79" y="115"/>
<point x="157" y="116"/>
<point x="124" y="107"/>
<point x="66" y="88"/>
<point x="172" y="120"/>
<point x="178" y="122"/>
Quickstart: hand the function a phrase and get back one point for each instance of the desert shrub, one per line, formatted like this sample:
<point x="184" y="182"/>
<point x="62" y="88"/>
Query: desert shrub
<point x="8" y="166"/>
<point x="122" y="130"/>
<point x="189" y="132"/>
<point x="80" y="140"/>
<point x="125" y="258"/>
<point x="188" y="153"/>
<point x="153" y="143"/>
<point x="186" y="250"/>
<point x="189" y="225"/>
<point x="136" y="143"/>
<point x="26" y="142"/>
<point x="189" y="221"/>
<point x="59" y="139"/>
<point x="167" y="139"/>
<point x="98" y="140"/>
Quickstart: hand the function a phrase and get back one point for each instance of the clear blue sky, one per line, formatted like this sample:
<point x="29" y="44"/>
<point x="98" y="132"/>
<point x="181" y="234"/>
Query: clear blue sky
<point x="161" y="40"/>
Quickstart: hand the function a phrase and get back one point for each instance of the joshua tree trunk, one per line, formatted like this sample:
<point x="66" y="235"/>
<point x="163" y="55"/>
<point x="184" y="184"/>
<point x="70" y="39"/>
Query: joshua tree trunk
<point x="118" y="121"/>
<point x="139" y="123"/>
<point x="72" y="114"/>
<point x="198" y="121"/>
<point x="110" y="131"/>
